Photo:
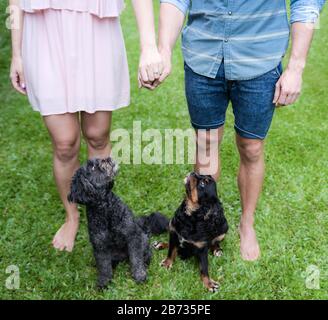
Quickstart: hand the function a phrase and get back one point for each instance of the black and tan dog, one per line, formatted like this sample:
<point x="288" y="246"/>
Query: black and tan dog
<point x="116" y="235"/>
<point x="198" y="226"/>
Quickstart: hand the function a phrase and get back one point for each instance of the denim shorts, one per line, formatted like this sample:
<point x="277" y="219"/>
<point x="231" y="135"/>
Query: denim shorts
<point x="208" y="100"/>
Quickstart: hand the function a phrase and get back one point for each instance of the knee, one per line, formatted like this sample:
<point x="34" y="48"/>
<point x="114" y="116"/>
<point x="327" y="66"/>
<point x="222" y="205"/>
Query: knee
<point x="96" y="139"/>
<point x="67" y="150"/>
<point x="251" y="151"/>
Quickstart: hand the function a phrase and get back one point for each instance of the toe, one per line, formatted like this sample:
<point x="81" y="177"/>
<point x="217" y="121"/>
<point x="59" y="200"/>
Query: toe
<point x="252" y="255"/>
<point x="61" y="247"/>
<point x="56" y="245"/>
<point x="69" y="248"/>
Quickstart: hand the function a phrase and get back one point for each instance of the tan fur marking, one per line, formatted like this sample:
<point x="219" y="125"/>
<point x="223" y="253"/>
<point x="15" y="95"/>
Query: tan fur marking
<point x="209" y="283"/>
<point x="198" y="244"/>
<point x="191" y="207"/>
<point x="168" y="262"/>
<point x="193" y="189"/>
<point x="218" y="238"/>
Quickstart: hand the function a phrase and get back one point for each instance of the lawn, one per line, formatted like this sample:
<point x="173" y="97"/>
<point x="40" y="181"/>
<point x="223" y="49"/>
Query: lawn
<point x="292" y="216"/>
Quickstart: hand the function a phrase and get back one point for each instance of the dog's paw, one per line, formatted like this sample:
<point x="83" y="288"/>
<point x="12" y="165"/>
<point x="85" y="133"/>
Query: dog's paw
<point x="218" y="253"/>
<point x="140" y="276"/>
<point x="158" y="245"/>
<point x="167" y="263"/>
<point x="212" y="286"/>
<point x="102" y="284"/>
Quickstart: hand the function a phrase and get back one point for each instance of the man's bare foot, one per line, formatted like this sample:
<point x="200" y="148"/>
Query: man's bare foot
<point x="65" y="237"/>
<point x="249" y="247"/>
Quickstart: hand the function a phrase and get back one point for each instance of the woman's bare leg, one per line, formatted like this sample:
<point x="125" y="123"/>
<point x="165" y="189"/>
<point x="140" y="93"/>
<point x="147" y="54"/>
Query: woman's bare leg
<point x="65" y="134"/>
<point x="96" y="129"/>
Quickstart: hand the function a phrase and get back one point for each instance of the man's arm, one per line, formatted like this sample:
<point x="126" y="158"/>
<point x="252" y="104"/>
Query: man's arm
<point x="150" y="65"/>
<point x="304" y="15"/>
<point x="172" y="16"/>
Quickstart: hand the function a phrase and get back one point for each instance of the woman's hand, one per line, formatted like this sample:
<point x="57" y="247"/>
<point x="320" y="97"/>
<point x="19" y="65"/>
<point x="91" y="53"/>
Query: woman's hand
<point x="17" y="75"/>
<point x="150" y="68"/>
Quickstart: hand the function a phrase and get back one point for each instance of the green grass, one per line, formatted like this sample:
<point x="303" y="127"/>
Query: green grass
<point x="292" y="216"/>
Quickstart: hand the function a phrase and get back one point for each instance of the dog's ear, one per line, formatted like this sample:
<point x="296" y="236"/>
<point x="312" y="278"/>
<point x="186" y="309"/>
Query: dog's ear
<point x="82" y="191"/>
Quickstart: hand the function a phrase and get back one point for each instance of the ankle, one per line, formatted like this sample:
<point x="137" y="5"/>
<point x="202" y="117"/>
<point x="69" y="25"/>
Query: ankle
<point x="73" y="217"/>
<point x="247" y="221"/>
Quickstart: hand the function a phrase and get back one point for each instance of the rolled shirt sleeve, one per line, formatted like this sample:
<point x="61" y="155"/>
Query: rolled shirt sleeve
<point x="182" y="5"/>
<point x="305" y="11"/>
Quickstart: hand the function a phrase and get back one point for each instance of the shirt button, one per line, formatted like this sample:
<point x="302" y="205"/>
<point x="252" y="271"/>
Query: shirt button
<point x="226" y="40"/>
<point x="230" y="13"/>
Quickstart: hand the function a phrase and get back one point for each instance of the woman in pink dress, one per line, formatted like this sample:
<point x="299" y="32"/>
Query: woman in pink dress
<point x="69" y="57"/>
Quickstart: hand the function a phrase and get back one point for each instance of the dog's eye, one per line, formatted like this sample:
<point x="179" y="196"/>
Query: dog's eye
<point x="202" y="184"/>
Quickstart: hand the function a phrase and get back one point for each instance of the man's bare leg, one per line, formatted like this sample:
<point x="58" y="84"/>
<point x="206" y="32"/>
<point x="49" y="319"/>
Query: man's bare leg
<point x="250" y="181"/>
<point x="208" y="152"/>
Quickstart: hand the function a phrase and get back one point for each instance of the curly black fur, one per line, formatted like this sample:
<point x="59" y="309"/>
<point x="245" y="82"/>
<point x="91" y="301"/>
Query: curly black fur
<point x="114" y="232"/>
<point x="198" y="225"/>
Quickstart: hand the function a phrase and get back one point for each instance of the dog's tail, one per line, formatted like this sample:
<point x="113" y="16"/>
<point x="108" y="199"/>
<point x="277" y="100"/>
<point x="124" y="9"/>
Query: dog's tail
<point x="155" y="223"/>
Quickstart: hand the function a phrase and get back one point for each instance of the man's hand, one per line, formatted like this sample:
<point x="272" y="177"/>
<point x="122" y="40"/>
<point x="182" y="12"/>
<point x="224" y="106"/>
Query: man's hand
<point x="288" y="88"/>
<point x="150" y="68"/>
<point x="167" y="63"/>
<point x="167" y="66"/>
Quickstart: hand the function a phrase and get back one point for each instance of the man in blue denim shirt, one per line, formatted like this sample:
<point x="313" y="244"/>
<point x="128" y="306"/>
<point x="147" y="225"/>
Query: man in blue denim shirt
<point x="233" y="51"/>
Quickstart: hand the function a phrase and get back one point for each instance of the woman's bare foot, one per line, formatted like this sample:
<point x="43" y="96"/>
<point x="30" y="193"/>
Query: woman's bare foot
<point x="249" y="247"/>
<point x="65" y="237"/>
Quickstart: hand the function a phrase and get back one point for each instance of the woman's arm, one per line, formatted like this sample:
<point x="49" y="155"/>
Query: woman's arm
<point x="16" y="69"/>
<point x="150" y="66"/>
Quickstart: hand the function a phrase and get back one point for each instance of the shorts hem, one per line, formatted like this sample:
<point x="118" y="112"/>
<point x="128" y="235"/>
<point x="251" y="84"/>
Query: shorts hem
<point x="247" y="134"/>
<point x="207" y="127"/>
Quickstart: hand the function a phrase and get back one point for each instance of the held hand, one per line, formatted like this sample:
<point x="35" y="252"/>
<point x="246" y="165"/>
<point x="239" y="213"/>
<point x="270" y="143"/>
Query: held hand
<point x="167" y="65"/>
<point x="288" y="88"/>
<point x="17" y="75"/>
<point x="150" y="68"/>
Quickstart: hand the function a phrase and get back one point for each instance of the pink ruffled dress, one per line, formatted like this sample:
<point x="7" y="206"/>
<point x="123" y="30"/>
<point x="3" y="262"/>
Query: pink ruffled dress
<point x="74" y="56"/>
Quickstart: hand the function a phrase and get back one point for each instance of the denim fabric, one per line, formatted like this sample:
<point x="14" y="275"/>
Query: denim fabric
<point x="208" y="100"/>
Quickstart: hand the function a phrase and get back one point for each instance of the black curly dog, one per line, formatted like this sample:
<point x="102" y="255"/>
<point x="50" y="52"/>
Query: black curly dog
<point x="114" y="232"/>
<point x="198" y="226"/>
